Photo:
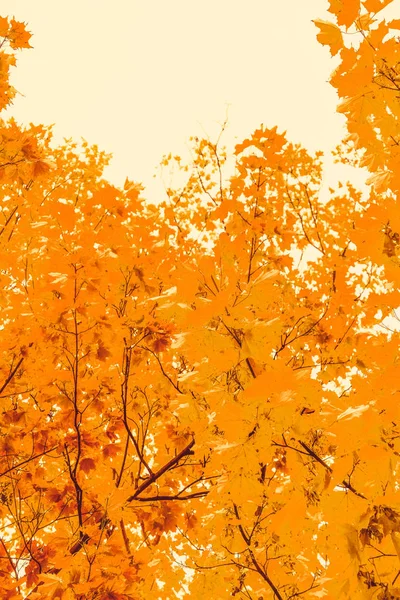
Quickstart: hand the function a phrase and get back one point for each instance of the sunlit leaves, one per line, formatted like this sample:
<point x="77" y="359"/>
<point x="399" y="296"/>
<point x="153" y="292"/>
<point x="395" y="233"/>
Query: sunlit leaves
<point x="367" y="84"/>
<point x="201" y="397"/>
<point x="14" y="35"/>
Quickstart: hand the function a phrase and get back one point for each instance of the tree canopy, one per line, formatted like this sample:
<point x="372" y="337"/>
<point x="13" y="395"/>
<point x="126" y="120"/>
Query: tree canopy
<point x="200" y="398"/>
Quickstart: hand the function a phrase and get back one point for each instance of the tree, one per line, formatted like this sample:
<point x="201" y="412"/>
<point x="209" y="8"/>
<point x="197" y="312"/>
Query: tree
<point x="199" y="398"/>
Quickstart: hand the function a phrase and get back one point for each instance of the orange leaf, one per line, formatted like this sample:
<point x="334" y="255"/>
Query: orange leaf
<point x="375" y="6"/>
<point x="394" y="24"/>
<point x="18" y="36"/>
<point x="3" y="26"/>
<point x="102" y="353"/>
<point x="330" y="35"/>
<point x="87" y="464"/>
<point x="346" y="11"/>
<point x="111" y="450"/>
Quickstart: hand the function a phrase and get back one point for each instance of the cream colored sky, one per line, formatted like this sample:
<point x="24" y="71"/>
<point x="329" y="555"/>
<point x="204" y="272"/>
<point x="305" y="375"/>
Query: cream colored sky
<point x="139" y="77"/>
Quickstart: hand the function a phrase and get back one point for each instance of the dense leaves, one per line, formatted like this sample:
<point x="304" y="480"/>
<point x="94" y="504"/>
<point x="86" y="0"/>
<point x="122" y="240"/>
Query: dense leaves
<point x="199" y="398"/>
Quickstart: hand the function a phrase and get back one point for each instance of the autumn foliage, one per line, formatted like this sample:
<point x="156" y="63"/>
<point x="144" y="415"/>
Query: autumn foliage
<point x="201" y="398"/>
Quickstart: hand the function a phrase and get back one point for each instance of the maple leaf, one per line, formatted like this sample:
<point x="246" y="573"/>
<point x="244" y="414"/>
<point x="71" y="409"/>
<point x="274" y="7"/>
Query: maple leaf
<point x="161" y="344"/>
<point x="40" y="167"/>
<point x="375" y="6"/>
<point x="111" y="450"/>
<point x="329" y="35"/>
<point x="102" y="353"/>
<point x="18" y="36"/>
<point x="87" y="465"/>
<point x="346" y="11"/>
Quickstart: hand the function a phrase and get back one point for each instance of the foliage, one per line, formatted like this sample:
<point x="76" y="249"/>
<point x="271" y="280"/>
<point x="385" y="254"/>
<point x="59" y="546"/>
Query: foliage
<point x="199" y="399"/>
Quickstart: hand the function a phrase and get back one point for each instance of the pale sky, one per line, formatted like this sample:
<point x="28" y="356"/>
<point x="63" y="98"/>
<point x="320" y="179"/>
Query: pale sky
<point x="139" y="77"/>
